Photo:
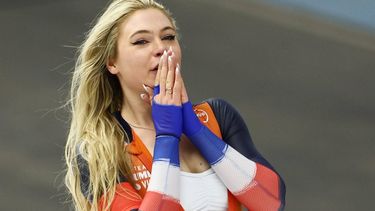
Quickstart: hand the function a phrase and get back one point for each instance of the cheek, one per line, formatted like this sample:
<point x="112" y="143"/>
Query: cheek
<point x="133" y="61"/>
<point x="177" y="52"/>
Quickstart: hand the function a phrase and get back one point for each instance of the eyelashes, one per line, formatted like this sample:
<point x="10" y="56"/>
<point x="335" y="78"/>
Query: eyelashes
<point x="144" y="42"/>
<point x="140" y="42"/>
<point x="170" y="37"/>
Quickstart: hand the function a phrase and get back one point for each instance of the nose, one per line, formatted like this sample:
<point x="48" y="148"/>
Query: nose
<point x="159" y="48"/>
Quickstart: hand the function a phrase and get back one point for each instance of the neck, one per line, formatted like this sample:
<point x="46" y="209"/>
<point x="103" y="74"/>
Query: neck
<point x="136" y="112"/>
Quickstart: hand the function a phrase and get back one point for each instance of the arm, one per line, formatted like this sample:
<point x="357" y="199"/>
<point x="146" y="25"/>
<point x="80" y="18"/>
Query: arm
<point x="250" y="178"/>
<point x="242" y="169"/>
<point x="163" y="190"/>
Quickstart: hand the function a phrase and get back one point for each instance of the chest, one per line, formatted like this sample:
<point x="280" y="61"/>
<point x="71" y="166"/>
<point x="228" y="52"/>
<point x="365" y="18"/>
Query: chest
<point x="203" y="191"/>
<point x="191" y="159"/>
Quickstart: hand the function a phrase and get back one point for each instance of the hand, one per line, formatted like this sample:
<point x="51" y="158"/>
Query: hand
<point x="166" y="100"/>
<point x="149" y="91"/>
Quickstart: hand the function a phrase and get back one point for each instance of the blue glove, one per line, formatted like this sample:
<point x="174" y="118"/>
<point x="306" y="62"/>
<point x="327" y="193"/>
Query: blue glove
<point x="167" y="118"/>
<point x="211" y="146"/>
<point x="191" y="124"/>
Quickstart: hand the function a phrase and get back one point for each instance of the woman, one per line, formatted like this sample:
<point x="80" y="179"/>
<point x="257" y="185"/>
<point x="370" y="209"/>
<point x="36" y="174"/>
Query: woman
<point x="131" y="113"/>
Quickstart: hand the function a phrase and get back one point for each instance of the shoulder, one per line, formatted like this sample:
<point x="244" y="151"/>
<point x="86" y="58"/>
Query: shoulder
<point x="222" y="108"/>
<point x="216" y="103"/>
<point x="224" y="112"/>
<point x="84" y="175"/>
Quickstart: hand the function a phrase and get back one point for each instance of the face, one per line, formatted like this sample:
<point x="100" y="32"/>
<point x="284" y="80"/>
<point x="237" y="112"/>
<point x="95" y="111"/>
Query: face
<point x="143" y="38"/>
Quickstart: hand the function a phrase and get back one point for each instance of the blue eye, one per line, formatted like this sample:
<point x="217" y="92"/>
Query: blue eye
<point x="140" y="42"/>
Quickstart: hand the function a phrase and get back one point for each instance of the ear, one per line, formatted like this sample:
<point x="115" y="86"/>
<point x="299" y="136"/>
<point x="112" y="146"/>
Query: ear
<point x="111" y="66"/>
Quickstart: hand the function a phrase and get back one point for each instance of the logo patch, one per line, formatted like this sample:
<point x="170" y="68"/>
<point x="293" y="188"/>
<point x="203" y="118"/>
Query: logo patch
<point x="202" y="115"/>
<point x="141" y="176"/>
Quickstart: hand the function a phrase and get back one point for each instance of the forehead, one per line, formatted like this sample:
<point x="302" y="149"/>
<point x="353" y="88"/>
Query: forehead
<point x="146" y="19"/>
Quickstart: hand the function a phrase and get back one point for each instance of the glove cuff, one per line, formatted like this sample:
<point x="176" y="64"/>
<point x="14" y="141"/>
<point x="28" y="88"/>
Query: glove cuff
<point x="168" y="118"/>
<point x="191" y="123"/>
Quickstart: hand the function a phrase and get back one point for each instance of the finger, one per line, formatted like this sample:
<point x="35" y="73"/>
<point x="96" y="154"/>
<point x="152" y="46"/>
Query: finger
<point x="170" y="51"/>
<point x="158" y="72"/>
<point x="163" y="74"/>
<point x="145" y="97"/>
<point x="170" y="74"/>
<point x="177" y="87"/>
<point x="184" y="95"/>
<point x="148" y="90"/>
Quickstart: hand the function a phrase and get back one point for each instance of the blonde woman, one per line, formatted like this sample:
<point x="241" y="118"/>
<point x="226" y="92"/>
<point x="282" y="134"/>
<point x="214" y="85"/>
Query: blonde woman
<point x="137" y="143"/>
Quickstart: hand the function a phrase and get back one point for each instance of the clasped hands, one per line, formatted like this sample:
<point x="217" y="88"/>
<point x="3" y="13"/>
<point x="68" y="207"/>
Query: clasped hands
<point x="172" y="112"/>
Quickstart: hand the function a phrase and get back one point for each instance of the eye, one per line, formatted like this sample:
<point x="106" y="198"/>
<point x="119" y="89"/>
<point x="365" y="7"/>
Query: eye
<point x="169" y="37"/>
<point x="140" y="42"/>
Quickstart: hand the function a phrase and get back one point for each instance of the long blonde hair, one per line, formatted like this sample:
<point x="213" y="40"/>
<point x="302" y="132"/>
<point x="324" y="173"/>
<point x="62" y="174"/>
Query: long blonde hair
<point x="95" y="94"/>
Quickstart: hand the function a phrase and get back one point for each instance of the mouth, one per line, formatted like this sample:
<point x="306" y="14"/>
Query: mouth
<point x="149" y="87"/>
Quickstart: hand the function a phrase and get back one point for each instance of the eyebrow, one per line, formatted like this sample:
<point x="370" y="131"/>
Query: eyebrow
<point x="147" y="31"/>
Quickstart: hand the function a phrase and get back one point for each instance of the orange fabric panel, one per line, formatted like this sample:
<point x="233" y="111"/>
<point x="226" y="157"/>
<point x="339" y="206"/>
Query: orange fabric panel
<point x="142" y="164"/>
<point x="145" y="155"/>
<point x="207" y="117"/>
<point x="233" y="204"/>
<point x="126" y="198"/>
<point x="159" y="202"/>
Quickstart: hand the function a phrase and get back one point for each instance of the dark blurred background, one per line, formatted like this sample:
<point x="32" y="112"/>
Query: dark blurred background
<point x="300" y="72"/>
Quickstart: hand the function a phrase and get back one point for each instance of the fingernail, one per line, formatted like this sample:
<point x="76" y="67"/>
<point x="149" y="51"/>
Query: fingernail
<point x="178" y="65"/>
<point x="165" y="52"/>
<point x="145" y="87"/>
<point x="143" y="95"/>
<point x="170" y="48"/>
<point x="177" y="69"/>
<point x="169" y="58"/>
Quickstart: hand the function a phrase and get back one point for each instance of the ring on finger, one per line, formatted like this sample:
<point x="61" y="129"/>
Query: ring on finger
<point x="168" y="90"/>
